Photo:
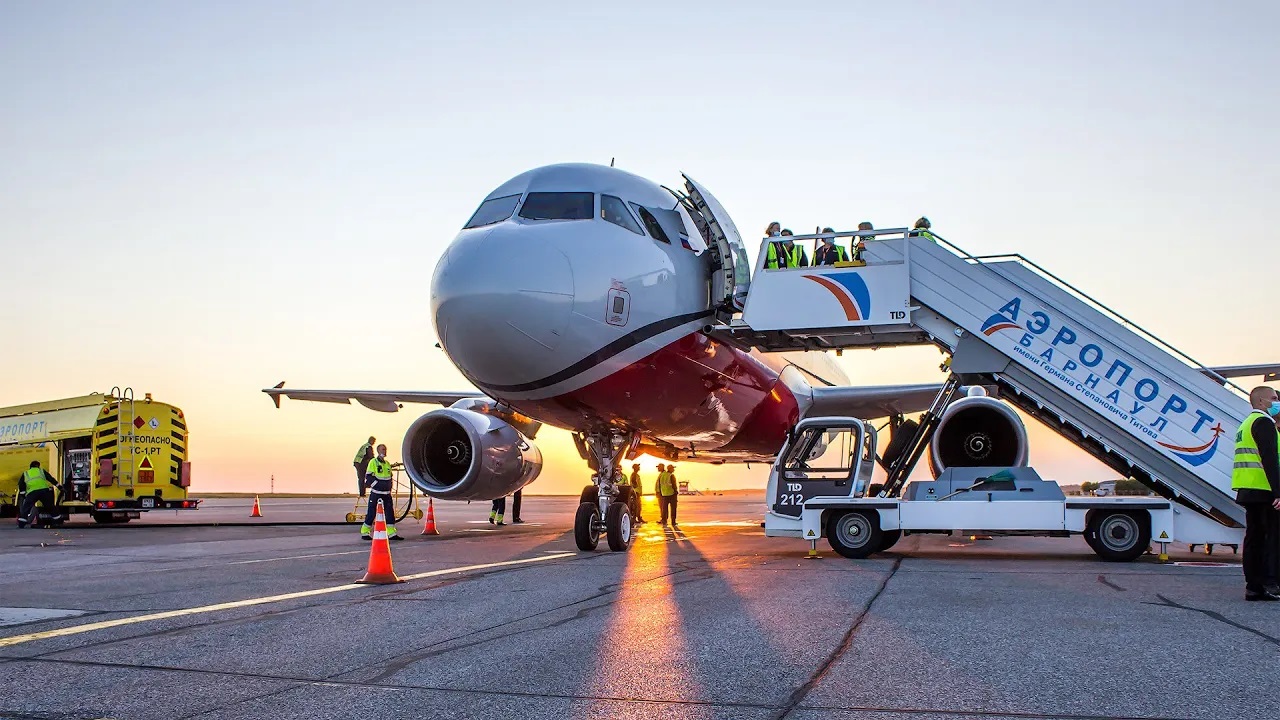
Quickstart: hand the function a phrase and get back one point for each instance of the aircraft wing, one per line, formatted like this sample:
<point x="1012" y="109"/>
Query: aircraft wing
<point x="1268" y="373"/>
<point x="380" y="400"/>
<point x="872" y="402"/>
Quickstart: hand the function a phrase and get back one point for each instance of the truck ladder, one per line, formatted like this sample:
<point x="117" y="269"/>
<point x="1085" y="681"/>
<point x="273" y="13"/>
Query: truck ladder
<point x="126" y="412"/>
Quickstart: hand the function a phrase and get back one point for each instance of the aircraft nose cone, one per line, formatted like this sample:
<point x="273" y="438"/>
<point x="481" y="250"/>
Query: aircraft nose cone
<point x="501" y="303"/>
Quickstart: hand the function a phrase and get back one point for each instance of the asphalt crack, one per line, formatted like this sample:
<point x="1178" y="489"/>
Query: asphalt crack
<point x="1166" y="602"/>
<point x="803" y="691"/>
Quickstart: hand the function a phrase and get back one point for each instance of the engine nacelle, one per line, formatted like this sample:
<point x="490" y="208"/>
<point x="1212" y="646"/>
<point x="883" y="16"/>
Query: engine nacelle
<point x="978" y="431"/>
<point x="458" y="454"/>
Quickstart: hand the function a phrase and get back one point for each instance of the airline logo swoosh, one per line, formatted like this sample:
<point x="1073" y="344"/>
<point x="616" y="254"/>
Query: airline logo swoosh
<point x="850" y="290"/>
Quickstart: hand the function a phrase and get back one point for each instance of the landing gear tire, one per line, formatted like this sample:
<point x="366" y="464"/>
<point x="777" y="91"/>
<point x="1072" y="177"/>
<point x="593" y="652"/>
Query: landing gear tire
<point x="590" y="494"/>
<point x="1119" y="536"/>
<point x="855" y="535"/>
<point x="617" y="526"/>
<point x="889" y="538"/>
<point x="586" y="526"/>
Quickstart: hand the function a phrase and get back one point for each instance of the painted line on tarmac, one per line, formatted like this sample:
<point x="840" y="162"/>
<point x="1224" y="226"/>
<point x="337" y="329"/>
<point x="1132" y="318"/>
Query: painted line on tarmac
<point x="105" y="624"/>
<point x="293" y="557"/>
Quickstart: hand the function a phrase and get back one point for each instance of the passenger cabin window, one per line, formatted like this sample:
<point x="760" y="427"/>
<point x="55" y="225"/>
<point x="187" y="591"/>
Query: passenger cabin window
<point x="615" y="211"/>
<point x="651" y="223"/>
<point x="558" y="206"/>
<point x="493" y="211"/>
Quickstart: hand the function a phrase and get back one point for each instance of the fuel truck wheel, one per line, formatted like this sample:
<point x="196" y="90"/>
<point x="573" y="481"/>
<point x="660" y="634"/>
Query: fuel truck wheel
<point x="1118" y="536"/>
<point x="586" y="526"/>
<point x="855" y="535"/>
<point x="617" y="526"/>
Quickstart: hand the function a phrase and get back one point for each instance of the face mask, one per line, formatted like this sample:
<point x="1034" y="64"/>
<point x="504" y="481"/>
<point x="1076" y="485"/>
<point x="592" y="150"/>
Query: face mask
<point x="1274" y="410"/>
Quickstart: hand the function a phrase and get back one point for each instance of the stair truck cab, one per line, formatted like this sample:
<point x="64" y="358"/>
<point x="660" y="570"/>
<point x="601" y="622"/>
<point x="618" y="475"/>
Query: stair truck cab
<point x="111" y="457"/>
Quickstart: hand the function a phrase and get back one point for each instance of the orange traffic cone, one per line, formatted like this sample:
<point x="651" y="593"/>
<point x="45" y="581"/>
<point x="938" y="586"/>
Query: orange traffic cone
<point x="380" y="571"/>
<point x="257" y="511"/>
<point x="429" y="527"/>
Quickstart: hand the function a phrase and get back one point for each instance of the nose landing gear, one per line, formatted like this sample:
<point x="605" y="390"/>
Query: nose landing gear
<point x="605" y="507"/>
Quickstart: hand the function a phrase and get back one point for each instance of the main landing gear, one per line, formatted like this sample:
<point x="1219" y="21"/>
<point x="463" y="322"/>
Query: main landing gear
<point x="605" y="507"/>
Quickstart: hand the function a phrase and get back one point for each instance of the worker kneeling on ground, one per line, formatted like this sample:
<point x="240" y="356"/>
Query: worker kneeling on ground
<point x="378" y="479"/>
<point x="39" y="488"/>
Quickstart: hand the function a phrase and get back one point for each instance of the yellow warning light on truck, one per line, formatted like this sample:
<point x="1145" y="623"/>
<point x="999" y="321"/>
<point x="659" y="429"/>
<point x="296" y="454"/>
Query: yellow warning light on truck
<point x="111" y="456"/>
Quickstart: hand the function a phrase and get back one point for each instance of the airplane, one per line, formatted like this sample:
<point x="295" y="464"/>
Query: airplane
<point x="577" y="295"/>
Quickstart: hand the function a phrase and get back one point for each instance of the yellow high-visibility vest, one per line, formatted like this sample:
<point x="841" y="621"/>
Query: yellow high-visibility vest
<point x="1247" y="473"/>
<point x="36" y="480"/>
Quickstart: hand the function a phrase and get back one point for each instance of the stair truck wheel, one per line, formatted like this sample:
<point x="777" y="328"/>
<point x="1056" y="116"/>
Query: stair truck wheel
<point x="586" y="526"/>
<point x="617" y="526"/>
<point x="1119" y="536"/>
<point x="855" y="534"/>
<point x="889" y="538"/>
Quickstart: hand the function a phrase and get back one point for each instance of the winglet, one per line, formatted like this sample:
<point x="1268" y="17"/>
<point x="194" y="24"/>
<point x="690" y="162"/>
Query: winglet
<point x="275" y="396"/>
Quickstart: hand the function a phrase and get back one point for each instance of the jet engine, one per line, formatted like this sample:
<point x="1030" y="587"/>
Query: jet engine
<point x="978" y="431"/>
<point x="461" y="454"/>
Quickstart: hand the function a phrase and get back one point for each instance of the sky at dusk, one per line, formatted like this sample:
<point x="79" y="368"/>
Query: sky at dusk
<point x="200" y="200"/>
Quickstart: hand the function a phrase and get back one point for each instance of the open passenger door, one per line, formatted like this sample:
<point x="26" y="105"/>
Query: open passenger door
<point x="732" y="276"/>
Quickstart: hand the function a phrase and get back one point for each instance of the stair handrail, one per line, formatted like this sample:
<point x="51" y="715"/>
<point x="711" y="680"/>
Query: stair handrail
<point x="983" y="260"/>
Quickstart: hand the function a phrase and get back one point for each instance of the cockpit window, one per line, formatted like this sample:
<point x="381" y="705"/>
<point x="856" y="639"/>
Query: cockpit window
<point x="493" y="211"/>
<point x="615" y="211"/>
<point x="558" y="206"/>
<point x="651" y="223"/>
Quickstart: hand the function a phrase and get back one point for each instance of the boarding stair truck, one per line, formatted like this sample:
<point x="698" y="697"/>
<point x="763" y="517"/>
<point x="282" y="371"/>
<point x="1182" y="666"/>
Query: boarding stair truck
<point x="112" y="457"/>
<point x="1016" y="336"/>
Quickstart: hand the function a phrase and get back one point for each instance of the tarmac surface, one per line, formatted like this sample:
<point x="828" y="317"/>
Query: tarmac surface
<point x="710" y="620"/>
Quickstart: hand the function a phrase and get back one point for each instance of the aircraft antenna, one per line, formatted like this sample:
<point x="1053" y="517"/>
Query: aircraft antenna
<point x="611" y="161"/>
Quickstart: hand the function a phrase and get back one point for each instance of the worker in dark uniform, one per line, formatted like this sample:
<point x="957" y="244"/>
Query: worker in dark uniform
<point x="378" y="480"/>
<point x="363" y="456"/>
<point x="637" y="490"/>
<point x="497" y="511"/>
<point x="515" y="508"/>
<point x="859" y="243"/>
<point x="829" y="253"/>
<point x="1256" y="479"/>
<point x="38" y="485"/>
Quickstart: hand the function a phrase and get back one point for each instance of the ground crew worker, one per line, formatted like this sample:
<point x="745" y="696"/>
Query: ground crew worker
<point x="378" y="480"/>
<point x="39" y="488"/>
<point x="859" y="243"/>
<point x="1256" y="480"/>
<point x="515" y="507"/>
<point x="637" y="490"/>
<point x="497" y="510"/>
<point x="667" y="493"/>
<point x="922" y="230"/>
<point x="784" y="253"/>
<point x="829" y="253"/>
<point x="363" y="456"/>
